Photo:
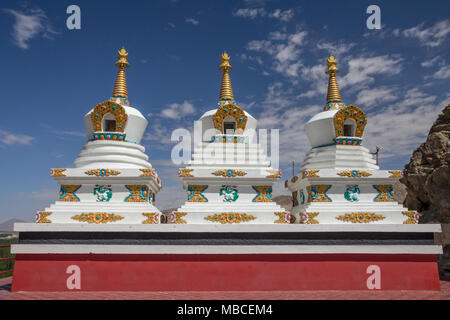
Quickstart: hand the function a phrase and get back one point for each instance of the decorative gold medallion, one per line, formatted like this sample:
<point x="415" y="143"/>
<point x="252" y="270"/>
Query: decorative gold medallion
<point x="385" y="193"/>
<point x="41" y="217"/>
<point x="229" y="173"/>
<point x="185" y="173"/>
<point x="318" y="193"/>
<point x="283" y="217"/>
<point x="67" y="193"/>
<point x="138" y="193"/>
<point x="264" y="194"/>
<point x="354" y="173"/>
<point x="194" y="193"/>
<point x="308" y="217"/>
<point x="395" y="173"/>
<point x="57" y="172"/>
<point x="152" y="218"/>
<point x="360" y="217"/>
<point x="313" y="173"/>
<point x="175" y="217"/>
<point x="230" y="217"/>
<point x="97" y="217"/>
<point x="102" y="172"/>
<point x="413" y="217"/>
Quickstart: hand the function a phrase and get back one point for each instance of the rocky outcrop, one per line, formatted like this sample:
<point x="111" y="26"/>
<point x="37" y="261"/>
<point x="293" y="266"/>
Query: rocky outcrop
<point x="427" y="175"/>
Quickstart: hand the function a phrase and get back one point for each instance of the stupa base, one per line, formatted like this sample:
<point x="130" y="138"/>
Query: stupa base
<point x="225" y="258"/>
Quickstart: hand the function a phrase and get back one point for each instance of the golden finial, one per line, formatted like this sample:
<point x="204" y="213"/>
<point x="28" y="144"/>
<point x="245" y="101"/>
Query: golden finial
<point x="120" y="87"/>
<point x="226" y="92"/>
<point x="333" y="95"/>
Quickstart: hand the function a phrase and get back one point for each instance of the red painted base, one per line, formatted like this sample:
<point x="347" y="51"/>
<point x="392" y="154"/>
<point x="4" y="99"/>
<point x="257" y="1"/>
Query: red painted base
<point x="56" y="272"/>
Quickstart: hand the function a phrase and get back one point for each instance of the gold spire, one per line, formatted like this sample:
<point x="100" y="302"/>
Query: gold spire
<point x="120" y="87"/>
<point x="333" y="94"/>
<point x="226" y="92"/>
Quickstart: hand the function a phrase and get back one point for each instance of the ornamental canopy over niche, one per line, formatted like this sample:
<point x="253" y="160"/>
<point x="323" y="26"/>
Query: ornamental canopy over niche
<point x="228" y="110"/>
<point x="110" y="107"/>
<point x="346" y="113"/>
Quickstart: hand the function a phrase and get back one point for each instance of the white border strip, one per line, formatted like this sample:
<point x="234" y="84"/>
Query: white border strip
<point x="244" y="249"/>
<point x="81" y="227"/>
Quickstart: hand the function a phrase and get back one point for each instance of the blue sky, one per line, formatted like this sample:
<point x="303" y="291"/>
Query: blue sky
<point x="399" y="75"/>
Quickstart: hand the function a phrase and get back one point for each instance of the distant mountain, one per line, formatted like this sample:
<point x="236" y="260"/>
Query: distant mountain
<point x="8" y="226"/>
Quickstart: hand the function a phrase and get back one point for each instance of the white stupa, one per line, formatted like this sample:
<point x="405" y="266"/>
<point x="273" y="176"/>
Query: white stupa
<point x="112" y="181"/>
<point x="339" y="182"/>
<point x="229" y="179"/>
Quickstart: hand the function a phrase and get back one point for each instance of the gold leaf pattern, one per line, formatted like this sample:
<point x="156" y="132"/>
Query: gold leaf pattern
<point x="354" y="173"/>
<point x="175" y="217"/>
<point x="360" y="217"/>
<point x="229" y="173"/>
<point x="41" y="217"/>
<point x="57" y="172"/>
<point x="109" y="107"/>
<point x="283" y="217"/>
<point x="102" y="172"/>
<point x="264" y="194"/>
<point x="97" y="217"/>
<point x="413" y="217"/>
<point x="313" y="173"/>
<point x="230" y="217"/>
<point x="152" y="218"/>
<point x="350" y="112"/>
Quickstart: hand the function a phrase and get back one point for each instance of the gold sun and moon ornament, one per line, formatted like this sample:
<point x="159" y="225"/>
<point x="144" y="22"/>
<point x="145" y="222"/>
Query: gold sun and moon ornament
<point x="227" y="105"/>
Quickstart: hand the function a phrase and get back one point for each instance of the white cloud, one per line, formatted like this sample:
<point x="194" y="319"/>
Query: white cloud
<point x="9" y="138"/>
<point x="432" y="36"/>
<point x="253" y="13"/>
<point x="192" y="21"/>
<point x="430" y="63"/>
<point x="28" y="26"/>
<point x="367" y="98"/>
<point x="285" y="15"/>
<point x="442" y="73"/>
<point x="178" y="110"/>
<point x="250" y="13"/>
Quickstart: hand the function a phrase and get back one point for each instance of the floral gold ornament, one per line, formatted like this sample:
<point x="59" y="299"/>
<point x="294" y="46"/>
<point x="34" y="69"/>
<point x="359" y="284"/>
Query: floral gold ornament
<point x="41" y="217"/>
<point x="97" y="217"/>
<point x="385" y="193"/>
<point x="230" y="217"/>
<point x="114" y="136"/>
<point x="283" y="217"/>
<point x="318" y="193"/>
<point x="348" y="141"/>
<point x="395" y="173"/>
<point x="194" y="193"/>
<point x="148" y="173"/>
<point x="67" y="193"/>
<point x="229" y="173"/>
<point x="264" y="194"/>
<point x="138" y="193"/>
<point x="274" y="173"/>
<point x="152" y="218"/>
<point x="360" y="217"/>
<point x="176" y="217"/>
<point x="57" y="172"/>
<point x="350" y="112"/>
<point x="102" y="172"/>
<point x="110" y="107"/>
<point x="185" y="173"/>
<point x="309" y="218"/>
<point x="354" y="173"/>
<point x="413" y="217"/>
<point x="313" y="173"/>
